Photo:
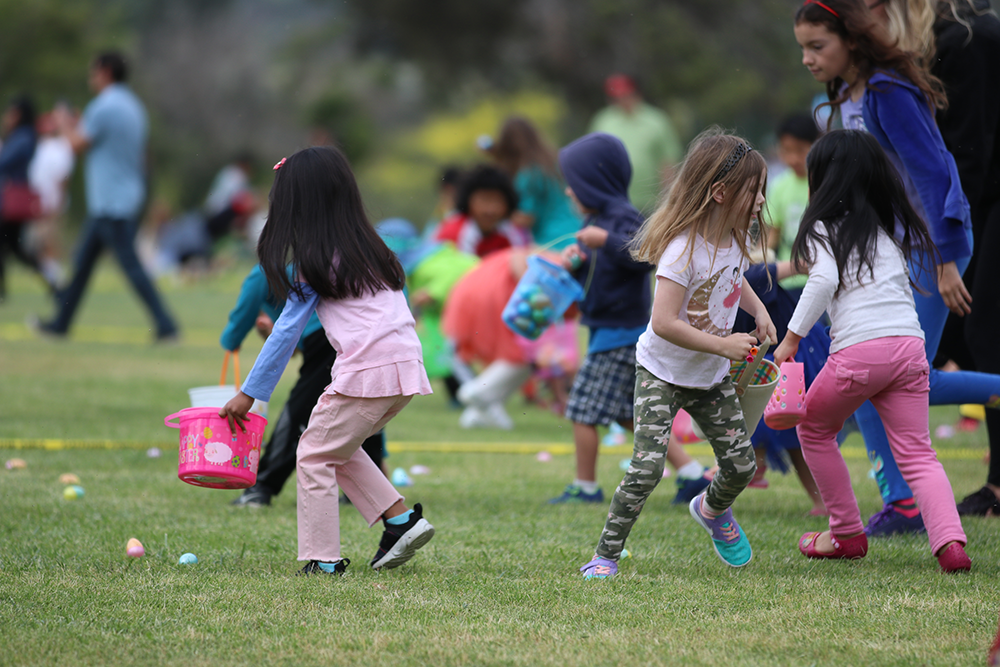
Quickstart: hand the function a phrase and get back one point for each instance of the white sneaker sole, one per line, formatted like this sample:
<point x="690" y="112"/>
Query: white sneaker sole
<point x="407" y="545"/>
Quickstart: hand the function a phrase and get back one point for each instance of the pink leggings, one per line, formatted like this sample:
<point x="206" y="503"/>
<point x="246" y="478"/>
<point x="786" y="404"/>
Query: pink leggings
<point x="892" y="372"/>
<point x="330" y="457"/>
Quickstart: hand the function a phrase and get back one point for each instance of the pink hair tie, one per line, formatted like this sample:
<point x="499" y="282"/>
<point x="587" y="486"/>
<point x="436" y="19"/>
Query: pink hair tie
<point x="820" y="4"/>
<point x="280" y="162"/>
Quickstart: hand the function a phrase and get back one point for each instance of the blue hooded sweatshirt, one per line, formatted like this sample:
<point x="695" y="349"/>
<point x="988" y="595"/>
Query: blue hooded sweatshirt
<point x="598" y="170"/>
<point x="896" y="113"/>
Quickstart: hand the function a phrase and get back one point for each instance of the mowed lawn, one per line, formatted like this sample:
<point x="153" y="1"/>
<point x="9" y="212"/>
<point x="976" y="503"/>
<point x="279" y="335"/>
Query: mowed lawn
<point x="498" y="585"/>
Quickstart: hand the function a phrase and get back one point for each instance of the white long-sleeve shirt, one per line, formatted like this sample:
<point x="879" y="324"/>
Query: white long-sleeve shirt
<point x="880" y="306"/>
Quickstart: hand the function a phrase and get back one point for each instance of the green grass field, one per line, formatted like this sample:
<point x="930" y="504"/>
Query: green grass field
<point x="498" y="585"/>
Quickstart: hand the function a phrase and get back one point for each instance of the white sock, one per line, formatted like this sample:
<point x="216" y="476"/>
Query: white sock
<point x="691" y="470"/>
<point x="587" y="486"/>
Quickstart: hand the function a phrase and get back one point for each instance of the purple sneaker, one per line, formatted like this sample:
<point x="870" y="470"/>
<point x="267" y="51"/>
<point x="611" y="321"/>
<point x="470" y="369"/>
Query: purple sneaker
<point x="889" y="521"/>
<point x="731" y="545"/>
<point x="599" y="568"/>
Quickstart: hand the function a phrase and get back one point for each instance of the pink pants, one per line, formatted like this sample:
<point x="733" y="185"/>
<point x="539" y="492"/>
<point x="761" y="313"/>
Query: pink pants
<point x="329" y="454"/>
<point x="892" y="372"/>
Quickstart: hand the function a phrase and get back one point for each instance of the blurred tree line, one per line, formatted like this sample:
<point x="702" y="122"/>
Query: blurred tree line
<point x="396" y="82"/>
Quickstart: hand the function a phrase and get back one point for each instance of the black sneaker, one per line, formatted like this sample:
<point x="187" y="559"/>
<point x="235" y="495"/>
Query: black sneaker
<point x="981" y="503"/>
<point x="253" y="497"/>
<point x="312" y="567"/>
<point x="399" y="543"/>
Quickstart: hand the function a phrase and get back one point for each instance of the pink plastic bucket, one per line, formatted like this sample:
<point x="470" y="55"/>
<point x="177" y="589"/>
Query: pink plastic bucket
<point x="787" y="406"/>
<point x="211" y="455"/>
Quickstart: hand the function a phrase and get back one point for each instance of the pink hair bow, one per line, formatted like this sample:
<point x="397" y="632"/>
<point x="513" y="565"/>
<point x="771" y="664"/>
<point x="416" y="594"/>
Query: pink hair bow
<point x="280" y="162"/>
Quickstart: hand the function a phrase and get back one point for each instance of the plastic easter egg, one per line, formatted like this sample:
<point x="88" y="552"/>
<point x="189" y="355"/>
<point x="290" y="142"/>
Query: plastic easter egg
<point x="69" y="478"/>
<point x="524" y="309"/>
<point x="540" y="317"/>
<point x="188" y="559"/>
<point x="15" y="464"/>
<point x="134" y="548"/>
<point x="626" y="554"/>
<point x="419" y="470"/>
<point x="625" y="464"/>
<point x="540" y="300"/>
<point x="523" y="324"/>
<point x="400" y="478"/>
<point x="69" y="493"/>
<point x="153" y="452"/>
<point x="543" y="457"/>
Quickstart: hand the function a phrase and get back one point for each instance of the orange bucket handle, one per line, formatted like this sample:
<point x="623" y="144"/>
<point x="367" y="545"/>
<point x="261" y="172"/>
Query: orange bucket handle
<point x="236" y="368"/>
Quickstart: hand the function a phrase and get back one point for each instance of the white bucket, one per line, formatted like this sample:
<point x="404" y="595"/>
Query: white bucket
<point x="217" y="395"/>
<point x="755" y="382"/>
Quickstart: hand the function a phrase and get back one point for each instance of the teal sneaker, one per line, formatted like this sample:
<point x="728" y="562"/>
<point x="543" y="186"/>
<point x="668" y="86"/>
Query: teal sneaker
<point x="574" y="494"/>
<point x="731" y="545"/>
<point x="599" y="568"/>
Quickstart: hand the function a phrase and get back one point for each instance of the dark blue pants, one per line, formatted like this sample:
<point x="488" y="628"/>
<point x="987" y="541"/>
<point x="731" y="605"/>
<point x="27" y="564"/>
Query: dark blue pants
<point x="118" y="235"/>
<point x="945" y="388"/>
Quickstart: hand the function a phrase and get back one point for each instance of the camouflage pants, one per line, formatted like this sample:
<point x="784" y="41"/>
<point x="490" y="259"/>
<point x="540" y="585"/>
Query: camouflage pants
<point x="717" y="411"/>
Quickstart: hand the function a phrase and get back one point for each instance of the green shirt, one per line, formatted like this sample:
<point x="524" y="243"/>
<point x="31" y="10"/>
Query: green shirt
<point x="787" y="197"/>
<point x="651" y="143"/>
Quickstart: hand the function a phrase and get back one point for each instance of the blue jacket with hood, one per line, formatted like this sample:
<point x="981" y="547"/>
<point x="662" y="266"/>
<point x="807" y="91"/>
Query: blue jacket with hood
<point x="598" y="170"/>
<point x="896" y="113"/>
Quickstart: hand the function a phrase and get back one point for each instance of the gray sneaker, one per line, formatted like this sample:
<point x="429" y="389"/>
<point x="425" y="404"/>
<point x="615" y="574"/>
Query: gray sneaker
<point x="253" y="497"/>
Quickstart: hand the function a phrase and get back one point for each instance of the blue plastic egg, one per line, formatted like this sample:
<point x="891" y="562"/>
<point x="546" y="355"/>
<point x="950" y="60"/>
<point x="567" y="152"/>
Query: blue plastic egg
<point x="188" y="559"/>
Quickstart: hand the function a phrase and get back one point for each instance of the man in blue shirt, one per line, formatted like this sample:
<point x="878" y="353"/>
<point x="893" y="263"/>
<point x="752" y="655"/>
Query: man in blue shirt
<point x="113" y="133"/>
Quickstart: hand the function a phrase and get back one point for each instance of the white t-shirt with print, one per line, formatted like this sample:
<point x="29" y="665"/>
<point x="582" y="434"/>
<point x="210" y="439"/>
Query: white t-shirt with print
<point x="713" y="279"/>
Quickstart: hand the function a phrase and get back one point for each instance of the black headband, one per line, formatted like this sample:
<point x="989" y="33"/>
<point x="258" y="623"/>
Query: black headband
<point x="734" y="157"/>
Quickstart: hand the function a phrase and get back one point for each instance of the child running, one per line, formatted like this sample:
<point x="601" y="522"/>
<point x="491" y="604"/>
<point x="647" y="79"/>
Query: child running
<point x="616" y="307"/>
<point x="855" y="237"/>
<point x="354" y="282"/>
<point x="699" y="238"/>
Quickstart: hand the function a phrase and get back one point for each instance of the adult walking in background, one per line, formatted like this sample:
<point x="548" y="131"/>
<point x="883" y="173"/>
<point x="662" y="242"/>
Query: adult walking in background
<point x="649" y="137"/>
<point x="113" y="133"/>
<point x="960" y="40"/>
<point x="543" y="207"/>
<point x="17" y="127"/>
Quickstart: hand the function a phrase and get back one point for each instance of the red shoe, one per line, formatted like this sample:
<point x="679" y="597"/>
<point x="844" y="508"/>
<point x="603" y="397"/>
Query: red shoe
<point x="851" y="548"/>
<point x="758" y="481"/>
<point x="954" y="559"/>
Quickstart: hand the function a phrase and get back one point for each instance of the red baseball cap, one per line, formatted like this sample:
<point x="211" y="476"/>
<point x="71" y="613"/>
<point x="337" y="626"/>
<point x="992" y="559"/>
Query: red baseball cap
<point x="619" y="85"/>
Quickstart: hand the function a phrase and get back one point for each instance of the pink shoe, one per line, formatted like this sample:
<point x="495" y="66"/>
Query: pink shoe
<point x="758" y="481"/>
<point x="954" y="559"/>
<point x="851" y="548"/>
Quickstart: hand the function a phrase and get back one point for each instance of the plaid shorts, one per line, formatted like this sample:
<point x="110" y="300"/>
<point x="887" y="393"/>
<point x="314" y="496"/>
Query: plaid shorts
<point x="604" y="388"/>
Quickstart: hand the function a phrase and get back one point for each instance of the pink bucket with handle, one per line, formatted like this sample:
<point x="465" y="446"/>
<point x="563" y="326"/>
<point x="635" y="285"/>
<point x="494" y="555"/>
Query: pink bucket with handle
<point x="787" y="406"/>
<point x="213" y="456"/>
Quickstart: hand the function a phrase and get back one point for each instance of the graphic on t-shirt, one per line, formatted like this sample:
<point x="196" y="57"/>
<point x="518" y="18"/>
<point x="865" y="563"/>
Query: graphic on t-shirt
<point x="712" y="306"/>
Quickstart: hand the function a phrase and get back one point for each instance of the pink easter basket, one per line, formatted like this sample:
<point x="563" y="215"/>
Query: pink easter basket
<point x="211" y="455"/>
<point x="787" y="406"/>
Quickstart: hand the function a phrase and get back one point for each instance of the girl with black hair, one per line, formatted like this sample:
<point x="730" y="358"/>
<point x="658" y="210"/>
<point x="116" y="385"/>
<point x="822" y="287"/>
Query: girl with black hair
<point x="485" y="201"/>
<point x="880" y="88"/>
<point x="344" y="272"/>
<point x="855" y="237"/>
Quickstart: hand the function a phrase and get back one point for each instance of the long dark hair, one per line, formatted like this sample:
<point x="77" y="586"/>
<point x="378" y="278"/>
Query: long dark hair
<point x="316" y="221"/>
<point x="855" y="191"/>
<point x="520" y="145"/>
<point x="871" y="48"/>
